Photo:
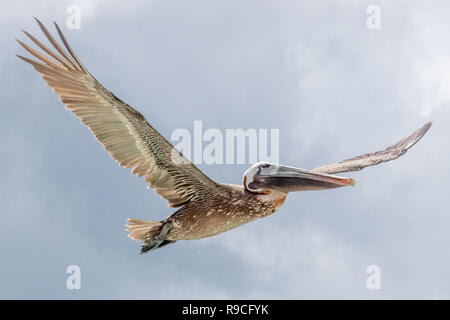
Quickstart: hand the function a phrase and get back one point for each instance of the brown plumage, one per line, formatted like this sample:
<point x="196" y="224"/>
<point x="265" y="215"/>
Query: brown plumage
<point x="206" y="207"/>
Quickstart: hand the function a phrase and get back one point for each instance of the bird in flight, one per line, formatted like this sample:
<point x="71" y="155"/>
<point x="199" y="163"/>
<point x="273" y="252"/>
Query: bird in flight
<point x="206" y="207"/>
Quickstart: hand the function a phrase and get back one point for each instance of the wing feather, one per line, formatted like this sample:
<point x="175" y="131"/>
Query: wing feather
<point x="374" y="158"/>
<point x="122" y="130"/>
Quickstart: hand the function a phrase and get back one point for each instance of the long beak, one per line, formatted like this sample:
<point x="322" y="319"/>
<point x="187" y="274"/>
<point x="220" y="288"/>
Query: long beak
<point x="295" y="179"/>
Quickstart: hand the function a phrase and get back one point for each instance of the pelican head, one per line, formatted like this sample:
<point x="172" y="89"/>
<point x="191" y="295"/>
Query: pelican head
<point x="263" y="177"/>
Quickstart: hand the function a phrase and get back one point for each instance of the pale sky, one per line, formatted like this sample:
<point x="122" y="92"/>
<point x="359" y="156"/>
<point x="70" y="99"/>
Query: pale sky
<point x="313" y="70"/>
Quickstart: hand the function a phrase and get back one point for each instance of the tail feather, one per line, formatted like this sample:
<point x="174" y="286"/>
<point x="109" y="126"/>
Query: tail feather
<point x="140" y="228"/>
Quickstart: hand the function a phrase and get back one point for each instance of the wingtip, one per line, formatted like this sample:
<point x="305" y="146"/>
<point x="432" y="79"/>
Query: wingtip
<point x="417" y="135"/>
<point x="41" y="25"/>
<point x="20" y="42"/>
<point x="426" y="127"/>
<point x="56" y="25"/>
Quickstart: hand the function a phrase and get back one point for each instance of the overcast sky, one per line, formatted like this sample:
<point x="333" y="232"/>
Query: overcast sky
<point x="334" y="88"/>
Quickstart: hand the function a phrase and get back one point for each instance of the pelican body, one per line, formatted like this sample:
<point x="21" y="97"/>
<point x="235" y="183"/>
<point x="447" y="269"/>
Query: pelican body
<point x="206" y="207"/>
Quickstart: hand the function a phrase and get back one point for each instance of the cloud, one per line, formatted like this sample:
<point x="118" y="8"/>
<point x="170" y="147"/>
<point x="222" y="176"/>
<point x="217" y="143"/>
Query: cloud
<point x="334" y="89"/>
<point x="434" y="76"/>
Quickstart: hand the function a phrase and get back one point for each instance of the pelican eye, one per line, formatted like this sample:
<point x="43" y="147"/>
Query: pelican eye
<point x="263" y="168"/>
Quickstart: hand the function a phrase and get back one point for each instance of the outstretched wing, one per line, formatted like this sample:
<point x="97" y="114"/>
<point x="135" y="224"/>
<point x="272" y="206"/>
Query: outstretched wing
<point x="371" y="159"/>
<point x="122" y="130"/>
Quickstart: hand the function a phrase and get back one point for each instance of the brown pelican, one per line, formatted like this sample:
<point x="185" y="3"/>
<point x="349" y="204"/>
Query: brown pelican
<point x="206" y="207"/>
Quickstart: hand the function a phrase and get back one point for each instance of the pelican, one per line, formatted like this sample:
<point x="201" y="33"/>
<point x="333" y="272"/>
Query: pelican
<point x="206" y="207"/>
